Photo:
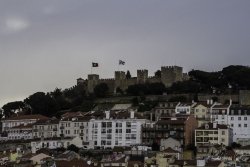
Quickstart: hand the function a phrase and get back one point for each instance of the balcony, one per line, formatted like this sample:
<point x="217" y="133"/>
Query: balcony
<point x="81" y="127"/>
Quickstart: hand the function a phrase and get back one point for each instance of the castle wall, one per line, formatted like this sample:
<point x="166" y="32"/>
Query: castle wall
<point x="142" y="76"/>
<point x="171" y="74"/>
<point x="110" y="83"/>
<point x="244" y="97"/>
<point x="221" y="98"/>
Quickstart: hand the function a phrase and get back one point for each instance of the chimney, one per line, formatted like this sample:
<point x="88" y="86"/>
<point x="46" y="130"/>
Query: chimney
<point x="132" y="114"/>
<point x="201" y="162"/>
<point x="211" y="101"/>
<point x="107" y="114"/>
<point x="214" y="125"/>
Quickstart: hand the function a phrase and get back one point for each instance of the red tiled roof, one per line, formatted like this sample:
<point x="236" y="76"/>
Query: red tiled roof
<point x="74" y="162"/>
<point x="22" y="126"/>
<point x="170" y="150"/>
<point x="21" y="117"/>
<point x="210" y="126"/>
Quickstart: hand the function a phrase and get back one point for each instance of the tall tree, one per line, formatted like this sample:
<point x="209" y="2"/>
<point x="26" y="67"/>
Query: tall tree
<point x="158" y="74"/>
<point x="128" y="75"/>
<point x="101" y="90"/>
<point x="42" y="103"/>
<point x="10" y="108"/>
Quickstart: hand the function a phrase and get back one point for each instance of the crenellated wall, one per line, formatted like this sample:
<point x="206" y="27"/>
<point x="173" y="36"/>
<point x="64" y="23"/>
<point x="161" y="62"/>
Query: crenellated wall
<point x="169" y="75"/>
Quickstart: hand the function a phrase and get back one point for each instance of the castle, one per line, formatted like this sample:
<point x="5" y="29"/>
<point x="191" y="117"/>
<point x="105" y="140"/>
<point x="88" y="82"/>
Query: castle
<point x="169" y="75"/>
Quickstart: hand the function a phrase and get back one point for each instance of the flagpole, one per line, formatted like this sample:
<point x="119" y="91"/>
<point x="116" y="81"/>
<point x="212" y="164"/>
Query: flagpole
<point x="92" y="68"/>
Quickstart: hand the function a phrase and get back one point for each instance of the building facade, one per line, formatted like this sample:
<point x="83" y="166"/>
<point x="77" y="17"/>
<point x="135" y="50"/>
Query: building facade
<point x="116" y="129"/>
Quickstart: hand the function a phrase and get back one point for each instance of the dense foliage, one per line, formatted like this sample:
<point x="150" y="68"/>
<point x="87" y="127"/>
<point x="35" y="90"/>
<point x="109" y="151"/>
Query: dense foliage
<point x="229" y="79"/>
<point x="146" y="89"/>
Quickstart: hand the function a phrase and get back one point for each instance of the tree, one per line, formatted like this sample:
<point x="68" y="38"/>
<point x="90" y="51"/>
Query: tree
<point x="101" y="90"/>
<point x="9" y="108"/>
<point x="42" y="103"/>
<point x="128" y="75"/>
<point x="158" y="74"/>
<point x="119" y="91"/>
<point x="73" y="147"/>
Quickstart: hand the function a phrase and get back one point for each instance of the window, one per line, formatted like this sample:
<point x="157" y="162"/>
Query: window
<point x="232" y="118"/>
<point x="239" y="118"/>
<point x="239" y="125"/>
<point x="232" y="125"/>
<point x="128" y="130"/>
<point x="223" y="132"/>
<point x="222" y="140"/>
<point x="245" y="125"/>
<point x="245" y="118"/>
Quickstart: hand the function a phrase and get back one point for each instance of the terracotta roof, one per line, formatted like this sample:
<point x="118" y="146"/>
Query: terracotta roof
<point x="170" y="150"/>
<point x="210" y="126"/>
<point x="21" y="117"/>
<point x="132" y="163"/>
<point x="47" y="121"/>
<point x="203" y="104"/>
<point x="73" y="162"/>
<point x="173" y="122"/>
<point x="218" y="106"/>
<point x="211" y="163"/>
<point x="22" y="126"/>
<point x="184" y="162"/>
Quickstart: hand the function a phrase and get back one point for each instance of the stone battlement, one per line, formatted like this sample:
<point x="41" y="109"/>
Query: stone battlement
<point x="169" y="75"/>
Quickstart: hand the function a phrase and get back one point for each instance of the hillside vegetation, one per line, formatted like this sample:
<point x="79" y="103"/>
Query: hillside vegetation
<point x="230" y="79"/>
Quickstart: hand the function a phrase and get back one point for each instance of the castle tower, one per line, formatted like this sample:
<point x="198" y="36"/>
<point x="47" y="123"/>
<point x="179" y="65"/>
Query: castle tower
<point x="93" y="80"/>
<point x="142" y="76"/>
<point x="120" y="75"/>
<point x="171" y="74"/>
<point x="120" y="80"/>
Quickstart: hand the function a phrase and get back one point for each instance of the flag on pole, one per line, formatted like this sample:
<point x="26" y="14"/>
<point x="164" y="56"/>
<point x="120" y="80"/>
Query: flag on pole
<point x="121" y="62"/>
<point x="94" y="64"/>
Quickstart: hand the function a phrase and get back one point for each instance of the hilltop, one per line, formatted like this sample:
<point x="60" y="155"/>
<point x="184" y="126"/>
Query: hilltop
<point x="229" y="80"/>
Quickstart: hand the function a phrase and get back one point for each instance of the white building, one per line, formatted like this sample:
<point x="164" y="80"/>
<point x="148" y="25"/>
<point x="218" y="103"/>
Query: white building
<point x="184" y="108"/>
<point x="46" y="128"/>
<point x="116" y="129"/>
<point x="239" y="120"/>
<point x="16" y="126"/>
<point x="53" y="143"/>
<point x="213" y="133"/>
<point x="20" y="132"/>
<point x="237" y="117"/>
<point x="75" y="125"/>
<point x="219" y="113"/>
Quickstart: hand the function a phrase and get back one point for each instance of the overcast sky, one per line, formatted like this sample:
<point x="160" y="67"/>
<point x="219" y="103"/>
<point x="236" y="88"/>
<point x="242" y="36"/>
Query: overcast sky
<point x="46" y="44"/>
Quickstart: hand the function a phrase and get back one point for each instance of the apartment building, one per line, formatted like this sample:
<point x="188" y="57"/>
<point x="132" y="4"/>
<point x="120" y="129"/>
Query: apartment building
<point x="202" y="112"/>
<point x="165" y="109"/>
<point x="120" y="128"/>
<point x="219" y="113"/>
<point x="20" y="126"/>
<point x="46" y="128"/>
<point x="213" y="133"/>
<point x="238" y="119"/>
<point x="184" y="108"/>
<point x="75" y="125"/>
<point x="180" y="128"/>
